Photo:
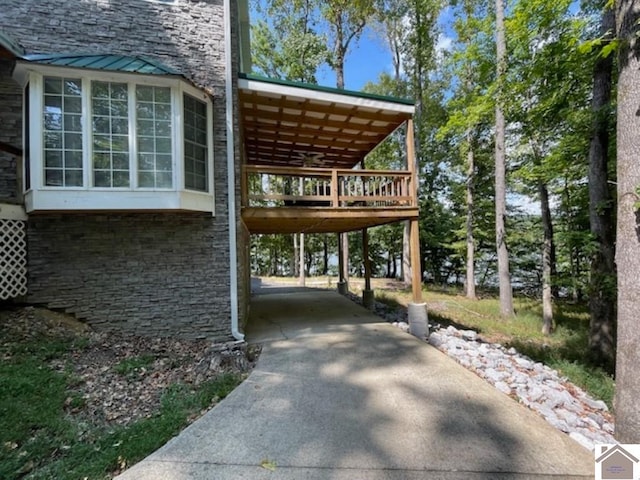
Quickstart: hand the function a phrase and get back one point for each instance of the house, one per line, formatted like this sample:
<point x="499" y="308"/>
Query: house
<point x="615" y="462"/>
<point x="138" y="154"/>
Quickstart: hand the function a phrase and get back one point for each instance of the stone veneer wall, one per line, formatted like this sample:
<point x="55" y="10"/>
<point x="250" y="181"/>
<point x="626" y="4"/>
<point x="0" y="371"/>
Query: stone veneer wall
<point x="148" y="273"/>
<point x="159" y="273"/>
<point x="10" y="132"/>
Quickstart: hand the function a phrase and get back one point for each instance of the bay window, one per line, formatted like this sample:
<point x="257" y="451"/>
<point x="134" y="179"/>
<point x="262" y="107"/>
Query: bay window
<point x="112" y="141"/>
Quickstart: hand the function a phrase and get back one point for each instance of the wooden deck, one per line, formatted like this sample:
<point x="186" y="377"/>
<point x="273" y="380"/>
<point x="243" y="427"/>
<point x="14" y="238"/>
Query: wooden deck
<point x="322" y="200"/>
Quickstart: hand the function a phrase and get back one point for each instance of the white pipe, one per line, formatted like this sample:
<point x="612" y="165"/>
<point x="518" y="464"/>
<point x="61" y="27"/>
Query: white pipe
<point x="231" y="176"/>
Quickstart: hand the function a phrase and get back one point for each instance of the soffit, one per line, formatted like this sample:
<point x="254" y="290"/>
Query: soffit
<point x="291" y="124"/>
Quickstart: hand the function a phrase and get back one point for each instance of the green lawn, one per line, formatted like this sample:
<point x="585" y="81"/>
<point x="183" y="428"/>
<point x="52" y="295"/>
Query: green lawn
<point x="41" y="439"/>
<point x="564" y="350"/>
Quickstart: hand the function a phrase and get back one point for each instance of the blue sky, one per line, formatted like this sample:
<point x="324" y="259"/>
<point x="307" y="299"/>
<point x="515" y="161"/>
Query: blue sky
<point x="368" y="58"/>
<point x="365" y="62"/>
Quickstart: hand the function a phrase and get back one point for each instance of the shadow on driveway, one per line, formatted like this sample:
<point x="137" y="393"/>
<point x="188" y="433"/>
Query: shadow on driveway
<point x="340" y="394"/>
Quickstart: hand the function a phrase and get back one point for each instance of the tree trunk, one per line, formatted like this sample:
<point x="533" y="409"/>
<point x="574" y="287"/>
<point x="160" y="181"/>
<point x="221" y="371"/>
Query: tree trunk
<point x="602" y="295"/>
<point x="504" y="277"/>
<point x="547" y="251"/>
<point x="470" y="279"/>
<point x="325" y="255"/>
<point x="406" y="254"/>
<point x="301" y="264"/>
<point x="627" y="426"/>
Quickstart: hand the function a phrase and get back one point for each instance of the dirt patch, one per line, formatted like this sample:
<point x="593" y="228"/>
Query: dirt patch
<point x="119" y="379"/>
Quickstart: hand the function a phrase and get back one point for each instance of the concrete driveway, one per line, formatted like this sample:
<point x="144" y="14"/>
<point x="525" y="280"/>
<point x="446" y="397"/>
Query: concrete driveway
<point x="340" y="394"/>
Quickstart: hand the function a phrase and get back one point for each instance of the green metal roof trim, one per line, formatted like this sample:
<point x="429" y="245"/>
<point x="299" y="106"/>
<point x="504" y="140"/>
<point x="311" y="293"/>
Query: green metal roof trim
<point x="116" y="63"/>
<point x="10" y="45"/>
<point x="319" y="88"/>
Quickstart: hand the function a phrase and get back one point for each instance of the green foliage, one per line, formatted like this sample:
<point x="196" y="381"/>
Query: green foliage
<point x="130" y="366"/>
<point x="566" y="350"/>
<point x="39" y="440"/>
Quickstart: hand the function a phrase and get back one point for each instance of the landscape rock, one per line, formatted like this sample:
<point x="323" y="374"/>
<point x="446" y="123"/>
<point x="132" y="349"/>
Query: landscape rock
<point x="535" y="385"/>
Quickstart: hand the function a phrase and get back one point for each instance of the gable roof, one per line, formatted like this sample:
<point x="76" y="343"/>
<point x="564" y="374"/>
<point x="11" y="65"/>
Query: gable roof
<point x="616" y="448"/>
<point x="116" y="63"/>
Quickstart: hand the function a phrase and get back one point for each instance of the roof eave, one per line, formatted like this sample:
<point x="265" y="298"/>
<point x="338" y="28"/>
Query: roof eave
<point x="354" y="99"/>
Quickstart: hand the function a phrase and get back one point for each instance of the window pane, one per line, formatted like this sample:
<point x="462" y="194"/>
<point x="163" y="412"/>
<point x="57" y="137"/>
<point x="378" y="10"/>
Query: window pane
<point x="195" y="144"/>
<point x="120" y="161"/>
<point x="163" y="180"/>
<point x="146" y="161"/>
<point x="53" y="85"/>
<point x="154" y="144"/>
<point x="120" y="178"/>
<point x="73" y="160"/>
<point x="144" y="94"/>
<point x="163" y="163"/>
<point x="110" y="121"/>
<point x="145" y="127"/>
<point x="52" y="159"/>
<point x="62" y="132"/>
<point x="73" y="104"/>
<point x="101" y="178"/>
<point x="146" y="180"/>
<point x="53" y="140"/>
<point x="101" y="161"/>
<point x="73" y="123"/>
<point x="53" y="178"/>
<point x="72" y="87"/>
<point x="163" y="129"/>
<point x="73" y="141"/>
<point x="73" y="178"/>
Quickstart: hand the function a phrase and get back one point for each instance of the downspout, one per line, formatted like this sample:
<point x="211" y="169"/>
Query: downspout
<point x="231" y="176"/>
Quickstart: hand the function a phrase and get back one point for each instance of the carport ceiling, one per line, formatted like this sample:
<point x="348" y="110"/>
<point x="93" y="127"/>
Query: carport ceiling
<point x="294" y="124"/>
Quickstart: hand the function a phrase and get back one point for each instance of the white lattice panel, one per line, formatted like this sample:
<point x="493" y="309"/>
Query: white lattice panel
<point x="13" y="259"/>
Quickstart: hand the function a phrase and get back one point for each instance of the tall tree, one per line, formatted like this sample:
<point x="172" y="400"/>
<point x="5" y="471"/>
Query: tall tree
<point x="289" y="46"/>
<point x="602" y="293"/>
<point x="346" y="20"/>
<point x="628" y="230"/>
<point x="504" y="277"/>
<point x="470" y="110"/>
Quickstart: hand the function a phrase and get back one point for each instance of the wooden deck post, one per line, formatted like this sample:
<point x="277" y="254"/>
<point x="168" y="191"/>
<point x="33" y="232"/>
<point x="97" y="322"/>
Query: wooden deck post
<point x="416" y="275"/>
<point x="411" y="163"/>
<point x="342" y="283"/>
<point x="417" y="310"/>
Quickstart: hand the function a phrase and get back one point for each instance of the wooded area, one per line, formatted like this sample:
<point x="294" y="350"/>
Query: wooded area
<point x="516" y="139"/>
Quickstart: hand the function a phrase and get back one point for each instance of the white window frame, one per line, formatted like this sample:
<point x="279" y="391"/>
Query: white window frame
<point x="40" y="197"/>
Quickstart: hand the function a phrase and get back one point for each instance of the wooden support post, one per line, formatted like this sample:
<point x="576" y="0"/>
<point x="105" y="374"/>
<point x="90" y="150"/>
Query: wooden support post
<point x="365" y="259"/>
<point x="416" y="271"/>
<point x="342" y="283"/>
<point x="411" y="163"/>
<point x="335" y="194"/>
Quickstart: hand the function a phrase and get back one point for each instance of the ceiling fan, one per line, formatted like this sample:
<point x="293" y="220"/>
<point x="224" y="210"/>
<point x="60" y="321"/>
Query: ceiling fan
<point x="312" y="159"/>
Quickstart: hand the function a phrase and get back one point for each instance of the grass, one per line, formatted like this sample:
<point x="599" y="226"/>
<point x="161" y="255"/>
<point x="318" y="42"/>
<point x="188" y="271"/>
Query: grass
<point x="565" y="350"/>
<point x="39" y="440"/>
<point x="130" y="366"/>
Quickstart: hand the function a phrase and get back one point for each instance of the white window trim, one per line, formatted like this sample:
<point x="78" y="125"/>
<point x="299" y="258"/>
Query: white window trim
<point x="40" y="197"/>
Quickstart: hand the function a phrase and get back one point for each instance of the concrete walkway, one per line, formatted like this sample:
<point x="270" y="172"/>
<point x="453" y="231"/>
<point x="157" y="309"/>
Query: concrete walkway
<point x="340" y="394"/>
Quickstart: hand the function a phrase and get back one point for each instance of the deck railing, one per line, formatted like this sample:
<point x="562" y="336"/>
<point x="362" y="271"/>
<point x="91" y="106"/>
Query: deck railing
<point x="266" y="186"/>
